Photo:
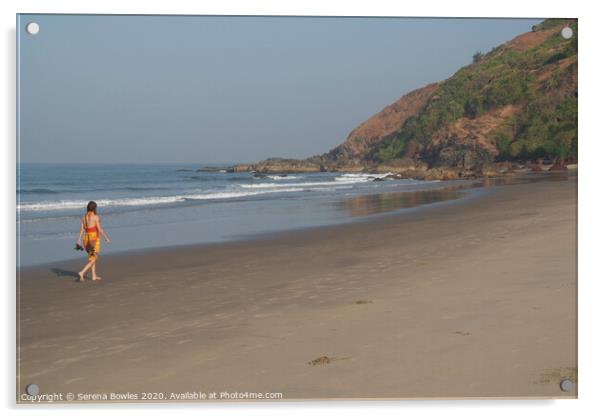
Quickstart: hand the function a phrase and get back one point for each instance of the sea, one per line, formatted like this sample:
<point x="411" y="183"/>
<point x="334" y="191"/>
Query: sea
<point x="159" y="205"/>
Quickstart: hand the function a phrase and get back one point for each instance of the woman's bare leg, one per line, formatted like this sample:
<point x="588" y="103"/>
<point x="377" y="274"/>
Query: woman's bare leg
<point x="94" y="276"/>
<point x="85" y="269"/>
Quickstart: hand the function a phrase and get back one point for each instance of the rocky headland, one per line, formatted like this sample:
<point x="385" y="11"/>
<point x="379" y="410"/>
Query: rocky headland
<point x="514" y="109"/>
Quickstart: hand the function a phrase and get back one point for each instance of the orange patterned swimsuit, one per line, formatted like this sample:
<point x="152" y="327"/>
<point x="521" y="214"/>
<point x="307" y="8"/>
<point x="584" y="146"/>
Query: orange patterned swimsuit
<point x="92" y="238"/>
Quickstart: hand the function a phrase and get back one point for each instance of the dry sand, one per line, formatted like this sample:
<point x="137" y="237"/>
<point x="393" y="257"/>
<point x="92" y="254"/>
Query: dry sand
<point x="472" y="299"/>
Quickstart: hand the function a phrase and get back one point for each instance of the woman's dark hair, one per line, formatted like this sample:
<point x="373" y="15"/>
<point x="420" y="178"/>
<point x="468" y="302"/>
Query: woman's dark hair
<point x="91" y="206"/>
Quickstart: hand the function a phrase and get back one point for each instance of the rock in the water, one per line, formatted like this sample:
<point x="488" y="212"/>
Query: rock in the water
<point x="535" y="167"/>
<point x="281" y="166"/>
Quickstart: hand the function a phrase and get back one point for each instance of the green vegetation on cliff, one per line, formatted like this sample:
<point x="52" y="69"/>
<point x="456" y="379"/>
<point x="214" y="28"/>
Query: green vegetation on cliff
<point x="533" y="76"/>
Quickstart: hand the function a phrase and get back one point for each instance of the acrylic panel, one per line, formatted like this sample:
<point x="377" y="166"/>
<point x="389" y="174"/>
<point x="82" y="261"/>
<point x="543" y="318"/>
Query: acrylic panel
<point x="234" y="208"/>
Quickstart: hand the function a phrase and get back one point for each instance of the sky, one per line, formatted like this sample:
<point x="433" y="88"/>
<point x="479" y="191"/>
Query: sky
<point x="208" y="89"/>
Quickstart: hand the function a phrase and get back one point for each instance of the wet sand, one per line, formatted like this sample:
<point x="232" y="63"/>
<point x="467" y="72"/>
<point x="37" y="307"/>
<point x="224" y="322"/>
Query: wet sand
<point x="472" y="299"/>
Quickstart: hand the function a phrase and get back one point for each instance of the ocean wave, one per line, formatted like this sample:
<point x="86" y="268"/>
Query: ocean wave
<point x="232" y="195"/>
<point x="278" y="185"/>
<point x="215" y="178"/>
<point x="360" y="177"/>
<point x="304" y="184"/>
<point x="327" y="189"/>
<point x="91" y="189"/>
<point x="81" y="204"/>
<point x="282" y="177"/>
<point x="46" y="219"/>
<point x="142" y="201"/>
<point x="37" y="191"/>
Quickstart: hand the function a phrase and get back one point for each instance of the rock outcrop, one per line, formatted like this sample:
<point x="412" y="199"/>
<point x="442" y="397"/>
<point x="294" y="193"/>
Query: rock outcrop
<point x="281" y="165"/>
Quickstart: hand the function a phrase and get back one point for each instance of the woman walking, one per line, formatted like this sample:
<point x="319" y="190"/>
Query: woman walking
<point x="91" y="230"/>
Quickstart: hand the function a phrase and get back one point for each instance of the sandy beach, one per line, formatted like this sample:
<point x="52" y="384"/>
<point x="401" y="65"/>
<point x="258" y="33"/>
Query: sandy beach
<point x="471" y="299"/>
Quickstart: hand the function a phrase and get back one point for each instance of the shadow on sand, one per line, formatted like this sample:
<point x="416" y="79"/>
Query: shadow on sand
<point x="64" y="273"/>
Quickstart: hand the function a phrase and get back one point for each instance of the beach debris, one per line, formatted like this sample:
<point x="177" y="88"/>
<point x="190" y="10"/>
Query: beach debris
<point x="463" y="333"/>
<point x="322" y="360"/>
<point x="362" y="302"/>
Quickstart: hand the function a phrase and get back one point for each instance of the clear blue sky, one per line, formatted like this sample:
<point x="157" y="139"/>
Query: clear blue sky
<point x="225" y="89"/>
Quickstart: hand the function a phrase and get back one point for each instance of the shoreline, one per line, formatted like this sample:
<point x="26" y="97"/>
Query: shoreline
<point x="465" y="188"/>
<point x="250" y="315"/>
<point x="228" y="209"/>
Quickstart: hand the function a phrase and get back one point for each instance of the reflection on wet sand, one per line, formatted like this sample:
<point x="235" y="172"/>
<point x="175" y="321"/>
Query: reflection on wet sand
<point x="386" y="202"/>
<point x="525" y="178"/>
